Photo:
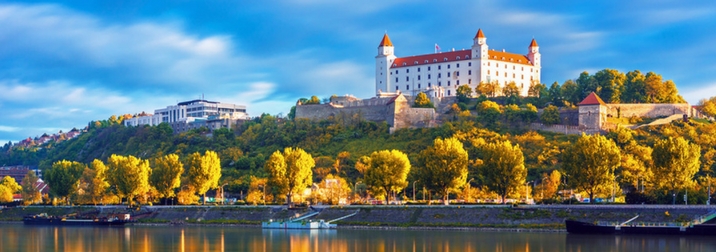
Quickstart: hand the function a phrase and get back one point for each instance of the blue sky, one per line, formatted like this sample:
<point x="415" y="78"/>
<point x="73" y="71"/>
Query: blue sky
<point x="65" y="63"/>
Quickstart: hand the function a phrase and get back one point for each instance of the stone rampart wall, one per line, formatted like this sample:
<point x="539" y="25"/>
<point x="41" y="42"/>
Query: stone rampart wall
<point x="323" y="111"/>
<point x="648" y="110"/>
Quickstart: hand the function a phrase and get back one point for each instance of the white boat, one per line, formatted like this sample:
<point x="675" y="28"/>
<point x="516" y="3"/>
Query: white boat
<point x="302" y="222"/>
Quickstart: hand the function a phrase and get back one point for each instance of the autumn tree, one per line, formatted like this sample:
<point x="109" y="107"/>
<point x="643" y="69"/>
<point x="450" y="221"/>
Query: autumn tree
<point x="503" y="167"/>
<point x="570" y="93"/>
<point x="63" y="176"/>
<point x="129" y="175"/>
<point x="488" y="112"/>
<point x="387" y="172"/>
<point x="30" y="193"/>
<point x="166" y="175"/>
<point x="99" y="185"/>
<point x="676" y="161"/>
<point x="708" y="106"/>
<point x="511" y="90"/>
<point x="549" y="185"/>
<point x="535" y="89"/>
<point x="333" y="189"/>
<point x="590" y="163"/>
<point x="204" y="172"/>
<point x="8" y="187"/>
<point x="290" y="171"/>
<point x="443" y="166"/>
<point x="422" y="101"/>
<point x="463" y="93"/>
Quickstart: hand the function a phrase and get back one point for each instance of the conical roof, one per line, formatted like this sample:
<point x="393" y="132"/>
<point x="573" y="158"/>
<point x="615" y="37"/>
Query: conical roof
<point x="385" y="41"/>
<point x="592" y="99"/>
<point x="479" y="34"/>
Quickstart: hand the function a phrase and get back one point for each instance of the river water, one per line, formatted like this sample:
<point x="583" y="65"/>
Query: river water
<point x="17" y="237"/>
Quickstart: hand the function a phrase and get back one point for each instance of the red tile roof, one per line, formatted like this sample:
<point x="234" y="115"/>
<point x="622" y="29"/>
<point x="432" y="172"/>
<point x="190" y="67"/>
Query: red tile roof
<point x="592" y="99"/>
<point x="385" y="41"/>
<point x="534" y="43"/>
<point x="479" y="34"/>
<point x="458" y="56"/>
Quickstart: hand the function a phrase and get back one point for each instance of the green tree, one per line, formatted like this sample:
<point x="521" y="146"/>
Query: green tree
<point x="570" y="93"/>
<point x="30" y="193"/>
<point x="463" y="93"/>
<point x="550" y="115"/>
<point x="443" y="166"/>
<point x="387" y="172"/>
<point x="488" y="112"/>
<point x="129" y="175"/>
<point x="555" y="94"/>
<point x="511" y="90"/>
<point x="166" y="175"/>
<point x="422" y="101"/>
<point x="634" y="88"/>
<point x="503" y="167"/>
<point x="290" y="171"/>
<point x="676" y="161"/>
<point x="535" y="89"/>
<point x="8" y="187"/>
<point x="204" y="172"/>
<point x="610" y="85"/>
<point x="314" y="100"/>
<point x="590" y="163"/>
<point x="63" y="177"/>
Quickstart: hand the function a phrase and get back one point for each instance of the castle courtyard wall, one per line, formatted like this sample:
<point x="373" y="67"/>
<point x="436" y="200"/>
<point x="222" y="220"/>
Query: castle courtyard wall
<point x="648" y="110"/>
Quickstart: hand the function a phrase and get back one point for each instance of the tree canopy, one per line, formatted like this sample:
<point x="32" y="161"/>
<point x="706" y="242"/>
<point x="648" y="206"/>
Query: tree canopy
<point x="387" y="172"/>
<point x="676" y="161"/>
<point x="443" y="166"/>
<point x="129" y="175"/>
<point x="204" y="172"/>
<point x="290" y="171"/>
<point x="503" y="167"/>
<point x="166" y="175"/>
<point x="590" y="163"/>
<point x="63" y="177"/>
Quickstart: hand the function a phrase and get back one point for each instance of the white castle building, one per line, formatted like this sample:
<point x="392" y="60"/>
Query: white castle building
<point x="439" y="74"/>
<point x="193" y="114"/>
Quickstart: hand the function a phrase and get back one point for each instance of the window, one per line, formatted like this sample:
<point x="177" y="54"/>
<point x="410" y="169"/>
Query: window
<point x="457" y="73"/>
<point x="440" y="84"/>
<point x="435" y="60"/>
<point x="497" y="73"/>
<point x="407" y="78"/>
<point x="426" y="61"/>
<point x="440" y="67"/>
<point x="505" y="74"/>
<point x="469" y="64"/>
<point x="469" y="81"/>
<point x="429" y="84"/>
<point x="444" y="59"/>
<point x="448" y="74"/>
<point x="396" y="71"/>
<point x="523" y="76"/>
<point x="405" y="64"/>
<point x="440" y="75"/>
<point x="396" y="79"/>
<point x="457" y="65"/>
<point x="513" y="67"/>
<point x="457" y="82"/>
<point x="448" y="83"/>
<point x="418" y="77"/>
<point x="407" y="87"/>
<point x="448" y="66"/>
<point x="407" y="70"/>
<point x="488" y="63"/>
<point x="428" y="68"/>
<point x="488" y="71"/>
<point x="397" y="88"/>
<point x="513" y="75"/>
<point x="505" y="66"/>
<point x="415" y="62"/>
<point x="457" y="58"/>
<point x="448" y="92"/>
<point x="428" y="76"/>
<point x="469" y="72"/>
<point x="418" y="85"/>
<point x="418" y="69"/>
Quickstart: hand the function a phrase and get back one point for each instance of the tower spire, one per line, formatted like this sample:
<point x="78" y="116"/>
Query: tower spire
<point x="479" y="34"/>
<point x="385" y="41"/>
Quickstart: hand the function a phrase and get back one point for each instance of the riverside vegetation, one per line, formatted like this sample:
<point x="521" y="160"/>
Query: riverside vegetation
<point x="484" y="152"/>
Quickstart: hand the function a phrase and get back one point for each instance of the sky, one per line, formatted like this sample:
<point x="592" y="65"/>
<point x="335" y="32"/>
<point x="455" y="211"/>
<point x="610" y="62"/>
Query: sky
<point x="66" y="63"/>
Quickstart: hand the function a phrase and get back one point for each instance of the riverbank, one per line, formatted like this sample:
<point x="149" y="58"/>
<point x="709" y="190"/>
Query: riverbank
<point x="547" y="218"/>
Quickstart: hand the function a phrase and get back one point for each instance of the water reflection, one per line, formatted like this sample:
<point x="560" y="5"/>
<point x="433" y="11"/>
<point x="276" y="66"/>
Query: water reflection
<point x="16" y="237"/>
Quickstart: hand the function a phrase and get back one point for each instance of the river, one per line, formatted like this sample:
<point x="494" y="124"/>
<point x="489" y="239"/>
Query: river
<point x="17" y="237"/>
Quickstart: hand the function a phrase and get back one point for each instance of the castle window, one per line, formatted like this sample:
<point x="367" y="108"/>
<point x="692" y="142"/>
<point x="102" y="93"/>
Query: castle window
<point x="448" y="83"/>
<point x="439" y="67"/>
<point x="505" y="66"/>
<point x="448" y="74"/>
<point x="428" y="68"/>
<point x="418" y="69"/>
<point x="503" y="58"/>
<point x="435" y="60"/>
<point x="469" y="64"/>
<point x="488" y="71"/>
<point x="415" y="62"/>
<point x="513" y="75"/>
<point x="497" y="73"/>
<point x="458" y="65"/>
<point x="428" y="76"/>
<point x="395" y="65"/>
<point x="407" y="78"/>
<point x="440" y="75"/>
<point x="523" y="68"/>
<point x="523" y="76"/>
<point x="407" y="87"/>
<point x="444" y="59"/>
<point x="457" y="82"/>
<point x="469" y="72"/>
<point x="418" y="77"/>
<point x="418" y="85"/>
<point x="469" y="81"/>
<point x="497" y="64"/>
<point x="505" y="74"/>
<point x="426" y="61"/>
<point x="397" y="88"/>
<point x="428" y="84"/>
<point x="467" y="56"/>
<point x="457" y="73"/>
<point x="448" y="92"/>
<point x="407" y="70"/>
<point x="448" y="66"/>
<point x="396" y="79"/>
<point x="396" y="71"/>
<point x="488" y="63"/>
<point x="457" y="58"/>
<point x="440" y="84"/>
<point x="513" y="67"/>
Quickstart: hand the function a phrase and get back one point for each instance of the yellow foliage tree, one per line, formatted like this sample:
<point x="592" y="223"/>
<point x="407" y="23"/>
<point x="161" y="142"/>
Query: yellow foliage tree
<point x="30" y="193"/>
<point x="8" y="187"/>
<point x="129" y="175"/>
<point x="443" y="166"/>
<point x="166" y="175"/>
<point x="676" y="161"/>
<point x="63" y="177"/>
<point x="290" y="171"/>
<point x="387" y="172"/>
<point x="204" y="172"/>
<point x="590" y="163"/>
<point x="503" y="167"/>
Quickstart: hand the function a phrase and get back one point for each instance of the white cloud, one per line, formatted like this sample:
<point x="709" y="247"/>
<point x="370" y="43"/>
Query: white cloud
<point x="694" y="94"/>
<point x="8" y="129"/>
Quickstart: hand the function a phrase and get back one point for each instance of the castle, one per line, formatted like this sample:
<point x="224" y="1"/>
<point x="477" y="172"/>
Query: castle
<point x="440" y="74"/>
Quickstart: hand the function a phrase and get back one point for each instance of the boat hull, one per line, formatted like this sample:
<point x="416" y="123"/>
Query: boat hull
<point x="579" y="227"/>
<point x="72" y="222"/>
<point x="297" y="225"/>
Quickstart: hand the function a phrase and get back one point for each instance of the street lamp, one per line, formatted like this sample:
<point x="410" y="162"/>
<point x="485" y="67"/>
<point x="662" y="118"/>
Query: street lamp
<point x="414" y="189"/>
<point x="527" y="194"/>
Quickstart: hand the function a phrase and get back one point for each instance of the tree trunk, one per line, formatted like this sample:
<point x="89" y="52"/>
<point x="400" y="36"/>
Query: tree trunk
<point x="203" y="199"/>
<point x="288" y="200"/>
<point x="446" y="197"/>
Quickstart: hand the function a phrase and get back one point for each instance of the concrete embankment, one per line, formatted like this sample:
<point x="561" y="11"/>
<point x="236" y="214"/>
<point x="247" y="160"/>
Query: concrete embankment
<point x="469" y="216"/>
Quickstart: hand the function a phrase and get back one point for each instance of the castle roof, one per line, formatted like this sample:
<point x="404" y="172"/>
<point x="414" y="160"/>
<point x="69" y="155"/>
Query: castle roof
<point x="427" y="59"/>
<point x="385" y="41"/>
<point x="534" y="43"/>
<point x="592" y="99"/>
<point x="479" y="34"/>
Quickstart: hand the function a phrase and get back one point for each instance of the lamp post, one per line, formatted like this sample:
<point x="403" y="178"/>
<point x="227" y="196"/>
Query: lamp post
<point x="614" y="185"/>
<point x="414" y="189"/>
<point x="527" y="194"/>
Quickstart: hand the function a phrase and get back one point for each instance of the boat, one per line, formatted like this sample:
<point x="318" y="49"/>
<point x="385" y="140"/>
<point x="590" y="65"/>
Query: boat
<point x="303" y="222"/>
<point x="699" y="226"/>
<point x="45" y="219"/>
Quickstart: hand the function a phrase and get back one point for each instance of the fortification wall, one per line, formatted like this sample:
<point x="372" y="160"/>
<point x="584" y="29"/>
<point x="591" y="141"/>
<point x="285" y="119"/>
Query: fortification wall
<point x="649" y="110"/>
<point x="323" y="111"/>
<point x="409" y="117"/>
<point x="592" y="116"/>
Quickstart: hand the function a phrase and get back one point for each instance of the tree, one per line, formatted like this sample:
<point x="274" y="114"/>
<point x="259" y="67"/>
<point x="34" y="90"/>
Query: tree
<point x="535" y="89"/>
<point x="333" y="189"/>
<point x="314" y="100"/>
<point x="610" y="84"/>
<point x="511" y="90"/>
<point x="590" y="163"/>
<point x="550" y="115"/>
<point x="204" y="172"/>
<point x="555" y="94"/>
<point x="550" y="185"/>
<point x="30" y="193"/>
<point x="422" y="101"/>
<point x="443" y="166"/>
<point x="129" y="175"/>
<point x="634" y="88"/>
<point x="503" y="167"/>
<point x="63" y="176"/>
<point x="488" y="112"/>
<point x="463" y="93"/>
<point x="96" y="180"/>
<point x="708" y="106"/>
<point x="290" y="171"/>
<point x="8" y="187"/>
<point x="570" y="93"/>
<point x="166" y="175"/>
<point x="387" y="172"/>
<point x="490" y="89"/>
<point x="676" y="161"/>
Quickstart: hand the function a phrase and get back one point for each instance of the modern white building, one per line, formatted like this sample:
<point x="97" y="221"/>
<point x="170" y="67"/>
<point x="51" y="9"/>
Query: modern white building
<point x="439" y="74"/>
<point x="184" y="115"/>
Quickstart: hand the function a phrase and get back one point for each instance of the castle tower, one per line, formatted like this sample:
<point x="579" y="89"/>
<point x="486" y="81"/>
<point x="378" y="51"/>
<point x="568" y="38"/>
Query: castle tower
<point x="592" y="112"/>
<point x="383" y="61"/>
<point x="479" y="46"/>
<point x="533" y="53"/>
